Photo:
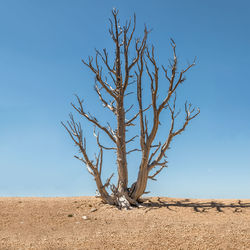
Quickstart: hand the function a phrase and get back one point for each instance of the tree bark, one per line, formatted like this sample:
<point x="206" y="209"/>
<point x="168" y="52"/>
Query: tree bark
<point x="121" y="148"/>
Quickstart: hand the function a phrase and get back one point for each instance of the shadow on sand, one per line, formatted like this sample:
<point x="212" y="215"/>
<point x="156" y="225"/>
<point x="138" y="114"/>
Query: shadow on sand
<point x="197" y="206"/>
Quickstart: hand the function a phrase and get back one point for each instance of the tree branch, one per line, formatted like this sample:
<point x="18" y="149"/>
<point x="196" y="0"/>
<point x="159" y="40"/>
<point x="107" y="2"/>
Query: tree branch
<point x="105" y="103"/>
<point x="98" y="77"/>
<point x="190" y="114"/>
<point x="133" y="150"/>
<point x="92" y="119"/>
<point x="139" y="52"/>
<point x="75" y="131"/>
<point x="105" y="60"/>
<point x="173" y="86"/>
<point x="129" y="122"/>
<point x="152" y="177"/>
<point x="99" y="144"/>
<point x="107" y="183"/>
<point x="132" y="139"/>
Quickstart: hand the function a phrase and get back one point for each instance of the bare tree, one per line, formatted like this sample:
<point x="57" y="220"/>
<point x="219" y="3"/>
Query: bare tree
<point x="125" y="71"/>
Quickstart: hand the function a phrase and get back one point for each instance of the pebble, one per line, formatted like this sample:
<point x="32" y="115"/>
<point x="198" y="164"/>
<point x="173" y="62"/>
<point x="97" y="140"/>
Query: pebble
<point x="93" y="210"/>
<point x="85" y="217"/>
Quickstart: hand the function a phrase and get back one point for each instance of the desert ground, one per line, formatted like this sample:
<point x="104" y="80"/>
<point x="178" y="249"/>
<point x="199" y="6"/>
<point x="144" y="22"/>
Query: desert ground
<point x="87" y="223"/>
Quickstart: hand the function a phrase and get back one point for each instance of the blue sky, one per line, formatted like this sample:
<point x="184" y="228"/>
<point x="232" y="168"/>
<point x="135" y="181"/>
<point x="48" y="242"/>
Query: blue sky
<point x="41" y="47"/>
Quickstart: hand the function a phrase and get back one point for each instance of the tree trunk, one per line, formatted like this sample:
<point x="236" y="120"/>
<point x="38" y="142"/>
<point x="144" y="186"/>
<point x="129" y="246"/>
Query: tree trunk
<point x="103" y="193"/>
<point x="121" y="148"/>
<point x="142" y="178"/>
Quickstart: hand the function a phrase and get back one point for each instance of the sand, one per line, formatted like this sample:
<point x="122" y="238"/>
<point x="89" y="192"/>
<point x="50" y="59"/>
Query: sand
<point x="87" y="223"/>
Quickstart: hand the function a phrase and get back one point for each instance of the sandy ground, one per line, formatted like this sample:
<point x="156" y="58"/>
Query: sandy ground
<point x="165" y="223"/>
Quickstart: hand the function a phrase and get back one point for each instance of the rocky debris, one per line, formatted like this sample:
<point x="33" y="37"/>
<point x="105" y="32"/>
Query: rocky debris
<point x="93" y="210"/>
<point x="237" y="210"/>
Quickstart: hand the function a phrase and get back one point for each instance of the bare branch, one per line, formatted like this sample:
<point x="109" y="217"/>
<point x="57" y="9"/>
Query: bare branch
<point x="132" y="33"/>
<point x="75" y="132"/>
<point x="133" y="150"/>
<point x="97" y="73"/>
<point x="107" y="183"/>
<point x="81" y="159"/>
<point x="132" y="139"/>
<point x="129" y="122"/>
<point x="173" y="86"/>
<point x="105" y="59"/>
<point x="126" y="111"/>
<point x="101" y="161"/>
<point x="190" y="114"/>
<point x="154" y="93"/>
<point x="92" y="119"/>
<point x="146" y="127"/>
<point x="153" y="154"/>
<point x="165" y="103"/>
<point x="99" y="144"/>
<point x="139" y="98"/>
<point x="105" y="103"/>
<point x="140" y="48"/>
<point x="129" y="93"/>
<point x="139" y="53"/>
<point x="152" y="177"/>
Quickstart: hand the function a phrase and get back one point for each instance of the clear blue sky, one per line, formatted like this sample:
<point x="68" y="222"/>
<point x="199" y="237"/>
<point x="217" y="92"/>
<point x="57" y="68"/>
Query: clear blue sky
<point x="41" y="46"/>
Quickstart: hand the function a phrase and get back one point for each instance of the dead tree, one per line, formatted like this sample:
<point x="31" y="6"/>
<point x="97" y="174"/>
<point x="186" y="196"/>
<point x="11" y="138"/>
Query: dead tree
<point x="125" y="71"/>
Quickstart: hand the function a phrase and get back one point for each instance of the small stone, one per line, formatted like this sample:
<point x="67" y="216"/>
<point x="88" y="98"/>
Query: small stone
<point x="237" y="210"/>
<point x="85" y="217"/>
<point x="70" y="215"/>
<point x="93" y="210"/>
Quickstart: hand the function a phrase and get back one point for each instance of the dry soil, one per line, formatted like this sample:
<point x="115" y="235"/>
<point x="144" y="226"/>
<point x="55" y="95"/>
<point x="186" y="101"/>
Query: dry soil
<point x="87" y="223"/>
